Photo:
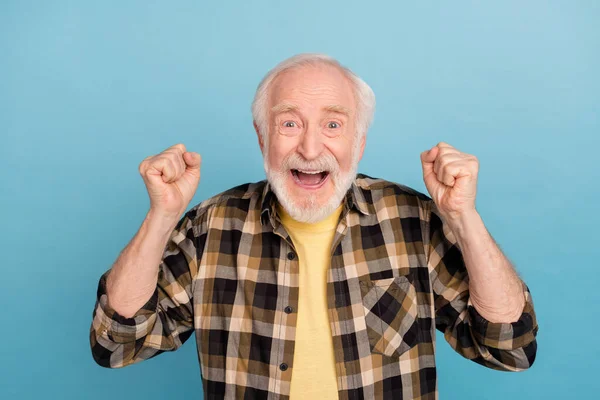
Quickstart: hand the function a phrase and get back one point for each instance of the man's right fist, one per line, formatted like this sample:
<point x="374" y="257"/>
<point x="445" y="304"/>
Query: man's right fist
<point x="171" y="178"/>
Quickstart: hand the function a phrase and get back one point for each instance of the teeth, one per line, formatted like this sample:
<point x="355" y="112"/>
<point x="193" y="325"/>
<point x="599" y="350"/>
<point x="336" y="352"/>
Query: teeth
<point x="310" y="172"/>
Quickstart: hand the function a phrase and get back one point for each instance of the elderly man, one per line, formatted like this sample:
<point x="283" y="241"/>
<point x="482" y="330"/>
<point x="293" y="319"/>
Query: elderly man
<point x="318" y="281"/>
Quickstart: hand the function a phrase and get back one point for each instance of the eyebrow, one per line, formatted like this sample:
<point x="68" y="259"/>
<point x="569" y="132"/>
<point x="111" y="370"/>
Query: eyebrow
<point x="336" y="108"/>
<point x="283" y="107"/>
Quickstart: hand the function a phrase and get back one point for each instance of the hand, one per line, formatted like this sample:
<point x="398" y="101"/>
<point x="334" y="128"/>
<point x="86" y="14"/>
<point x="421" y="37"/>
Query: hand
<point x="171" y="179"/>
<point x="451" y="179"/>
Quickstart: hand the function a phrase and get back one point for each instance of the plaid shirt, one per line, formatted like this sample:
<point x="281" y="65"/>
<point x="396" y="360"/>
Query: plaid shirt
<point x="230" y="274"/>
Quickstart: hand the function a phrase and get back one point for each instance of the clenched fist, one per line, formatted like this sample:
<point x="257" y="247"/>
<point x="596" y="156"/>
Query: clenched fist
<point x="451" y="179"/>
<point x="171" y="178"/>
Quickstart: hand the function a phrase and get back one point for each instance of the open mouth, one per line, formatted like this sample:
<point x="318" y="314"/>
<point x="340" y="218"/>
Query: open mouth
<point x="309" y="179"/>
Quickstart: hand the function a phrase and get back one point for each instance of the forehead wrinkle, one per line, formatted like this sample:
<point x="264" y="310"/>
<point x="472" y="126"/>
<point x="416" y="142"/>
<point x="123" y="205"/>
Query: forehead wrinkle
<point x="332" y="108"/>
<point x="322" y="91"/>
<point x="325" y="102"/>
<point x="316" y="82"/>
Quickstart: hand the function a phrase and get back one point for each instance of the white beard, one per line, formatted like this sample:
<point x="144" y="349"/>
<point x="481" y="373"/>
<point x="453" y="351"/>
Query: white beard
<point x="307" y="209"/>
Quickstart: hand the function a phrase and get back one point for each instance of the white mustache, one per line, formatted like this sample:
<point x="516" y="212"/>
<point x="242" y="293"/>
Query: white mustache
<point x="325" y="162"/>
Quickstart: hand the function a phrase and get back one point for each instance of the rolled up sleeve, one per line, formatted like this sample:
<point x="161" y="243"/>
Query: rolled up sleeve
<point x="164" y="323"/>
<point x="110" y="324"/>
<point x="502" y="346"/>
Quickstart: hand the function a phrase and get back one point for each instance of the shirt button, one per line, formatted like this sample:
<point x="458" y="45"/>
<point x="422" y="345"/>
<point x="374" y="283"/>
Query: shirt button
<point x="291" y="255"/>
<point x="283" y="366"/>
<point x="288" y="310"/>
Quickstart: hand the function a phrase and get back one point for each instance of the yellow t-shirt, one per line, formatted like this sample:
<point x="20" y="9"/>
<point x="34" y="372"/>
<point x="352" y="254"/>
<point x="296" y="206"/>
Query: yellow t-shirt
<point x="314" y="365"/>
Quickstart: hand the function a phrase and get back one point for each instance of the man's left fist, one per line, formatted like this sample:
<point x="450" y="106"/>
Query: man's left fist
<point x="451" y="179"/>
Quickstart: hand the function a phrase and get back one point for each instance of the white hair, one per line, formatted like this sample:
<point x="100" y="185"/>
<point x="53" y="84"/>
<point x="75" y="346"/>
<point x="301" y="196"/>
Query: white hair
<point x="364" y="94"/>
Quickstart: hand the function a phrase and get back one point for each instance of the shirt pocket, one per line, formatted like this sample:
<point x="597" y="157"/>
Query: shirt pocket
<point x="391" y="314"/>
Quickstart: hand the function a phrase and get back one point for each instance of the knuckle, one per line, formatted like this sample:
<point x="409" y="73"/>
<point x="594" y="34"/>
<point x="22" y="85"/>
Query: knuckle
<point x="179" y="146"/>
<point x="143" y="165"/>
<point x="177" y="160"/>
<point x="168" y="159"/>
<point x="156" y="161"/>
<point x="170" y="162"/>
<point x="176" y="167"/>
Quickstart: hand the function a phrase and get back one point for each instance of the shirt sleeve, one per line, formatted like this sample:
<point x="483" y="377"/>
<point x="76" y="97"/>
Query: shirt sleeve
<point x="501" y="346"/>
<point x="164" y="323"/>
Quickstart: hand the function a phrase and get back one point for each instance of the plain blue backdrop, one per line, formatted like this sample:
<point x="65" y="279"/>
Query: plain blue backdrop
<point x="89" y="89"/>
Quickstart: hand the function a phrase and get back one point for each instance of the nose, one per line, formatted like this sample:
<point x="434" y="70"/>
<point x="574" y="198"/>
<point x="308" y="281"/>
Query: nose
<point x="311" y="143"/>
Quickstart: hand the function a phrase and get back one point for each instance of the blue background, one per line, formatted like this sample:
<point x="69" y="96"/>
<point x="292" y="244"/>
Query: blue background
<point x="89" y="89"/>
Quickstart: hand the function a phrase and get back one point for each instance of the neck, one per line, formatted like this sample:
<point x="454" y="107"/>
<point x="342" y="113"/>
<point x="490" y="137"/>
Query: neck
<point x="322" y="224"/>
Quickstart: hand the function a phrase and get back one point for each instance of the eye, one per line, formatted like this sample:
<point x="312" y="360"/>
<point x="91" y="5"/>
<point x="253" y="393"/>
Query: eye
<point x="289" y="127"/>
<point x="333" y="125"/>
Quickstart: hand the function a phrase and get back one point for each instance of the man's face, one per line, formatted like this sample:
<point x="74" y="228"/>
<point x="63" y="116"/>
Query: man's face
<point x="312" y="150"/>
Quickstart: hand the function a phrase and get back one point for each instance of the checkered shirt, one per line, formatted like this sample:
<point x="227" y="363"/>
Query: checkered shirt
<point x="229" y="274"/>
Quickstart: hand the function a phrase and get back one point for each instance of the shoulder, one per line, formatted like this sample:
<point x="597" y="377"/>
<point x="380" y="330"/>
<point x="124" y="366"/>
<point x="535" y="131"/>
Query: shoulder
<point x="378" y="188"/>
<point x="234" y="201"/>
<point x="389" y="199"/>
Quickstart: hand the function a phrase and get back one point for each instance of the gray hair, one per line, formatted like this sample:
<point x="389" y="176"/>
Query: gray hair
<point x="363" y="92"/>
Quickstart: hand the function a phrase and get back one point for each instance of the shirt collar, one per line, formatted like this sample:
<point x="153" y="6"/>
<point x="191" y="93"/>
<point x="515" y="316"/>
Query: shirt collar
<point x="356" y="198"/>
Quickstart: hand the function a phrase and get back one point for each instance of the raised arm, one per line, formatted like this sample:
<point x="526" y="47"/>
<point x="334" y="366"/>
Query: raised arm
<point x="171" y="179"/>
<point x="484" y="309"/>
<point x="507" y="342"/>
<point x="144" y="302"/>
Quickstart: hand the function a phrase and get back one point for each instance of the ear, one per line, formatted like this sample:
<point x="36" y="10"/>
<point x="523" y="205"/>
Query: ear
<point x="363" y="142"/>
<point x="260" y="141"/>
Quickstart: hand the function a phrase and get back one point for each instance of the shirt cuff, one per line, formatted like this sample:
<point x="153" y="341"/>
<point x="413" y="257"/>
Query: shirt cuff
<point x="505" y="336"/>
<point x="111" y="325"/>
